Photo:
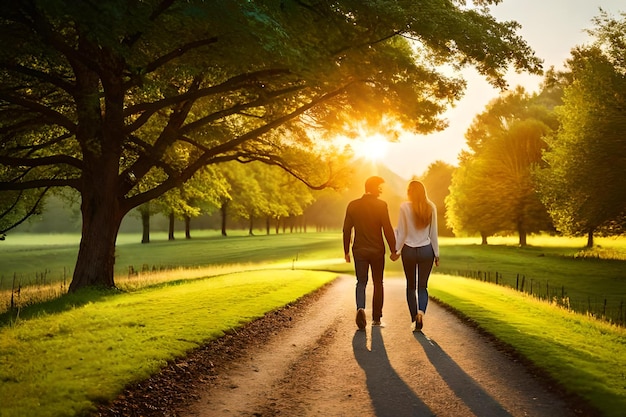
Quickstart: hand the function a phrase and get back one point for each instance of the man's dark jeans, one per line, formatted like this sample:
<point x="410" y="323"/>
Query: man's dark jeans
<point x="362" y="267"/>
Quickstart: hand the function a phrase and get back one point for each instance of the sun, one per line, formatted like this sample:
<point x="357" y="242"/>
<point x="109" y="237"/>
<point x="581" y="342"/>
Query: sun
<point x="373" y="147"/>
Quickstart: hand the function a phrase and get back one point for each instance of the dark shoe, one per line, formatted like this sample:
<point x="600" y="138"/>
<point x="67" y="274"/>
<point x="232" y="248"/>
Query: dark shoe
<point x="377" y="323"/>
<point x="361" y="320"/>
<point x="419" y="322"/>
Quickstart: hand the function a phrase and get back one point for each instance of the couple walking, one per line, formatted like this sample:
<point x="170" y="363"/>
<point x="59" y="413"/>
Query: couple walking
<point x="415" y="240"/>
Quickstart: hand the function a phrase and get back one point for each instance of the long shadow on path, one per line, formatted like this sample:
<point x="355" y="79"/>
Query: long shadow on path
<point x="390" y="395"/>
<point x="465" y="388"/>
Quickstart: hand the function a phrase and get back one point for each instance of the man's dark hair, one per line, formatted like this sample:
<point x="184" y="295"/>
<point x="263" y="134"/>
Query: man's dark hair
<point x="372" y="183"/>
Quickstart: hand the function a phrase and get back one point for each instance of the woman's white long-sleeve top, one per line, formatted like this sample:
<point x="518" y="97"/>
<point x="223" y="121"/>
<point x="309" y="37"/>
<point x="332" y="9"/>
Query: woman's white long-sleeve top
<point x="408" y="234"/>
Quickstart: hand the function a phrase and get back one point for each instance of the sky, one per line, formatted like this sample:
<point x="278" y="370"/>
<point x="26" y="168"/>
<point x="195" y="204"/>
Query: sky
<point x="551" y="28"/>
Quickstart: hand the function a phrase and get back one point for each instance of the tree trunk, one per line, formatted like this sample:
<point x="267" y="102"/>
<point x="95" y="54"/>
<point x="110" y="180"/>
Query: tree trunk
<point x="251" y="226"/>
<point x="268" y="225"/>
<point x="170" y="234"/>
<point x="187" y="227"/>
<point x="523" y="239"/>
<point x="102" y="217"/>
<point x="590" y="239"/>
<point x="223" y="211"/>
<point x="521" y="231"/>
<point x="145" y="223"/>
<point x="483" y="238"/>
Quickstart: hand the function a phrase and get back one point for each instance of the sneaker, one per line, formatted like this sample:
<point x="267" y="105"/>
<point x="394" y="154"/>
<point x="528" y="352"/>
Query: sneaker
<point x="377" y="323"/>
<point x="361" y="320"/>
<point x="419" y="322"/>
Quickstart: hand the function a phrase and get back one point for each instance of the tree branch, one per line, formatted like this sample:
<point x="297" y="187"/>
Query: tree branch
<point x="45" y="30"/>
<point x="160" y="9"/>
<point x="27" y="215"/>
<point x="181" y="50"/>
<point x="273" y="160"/>
<point x="368" y="43"/>
<point x="145" y="151"/>
<point x="39" y="146"/>
<point x="190" y="127"/>
<point x="47" y="160"/>
<point x="12" y="207"/>
<point x="219" y="152"/>
<point x="55" y="117"/>
<point x="232" y="84"/>
<point x="40" y="183"/>
<point x="43" y="76"/>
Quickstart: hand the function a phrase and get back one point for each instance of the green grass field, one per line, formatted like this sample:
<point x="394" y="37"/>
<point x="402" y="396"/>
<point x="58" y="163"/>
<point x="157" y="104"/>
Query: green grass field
<point x="551" y="267"/>
<point x="51" y="258"/>
<point x="135" y="325"/>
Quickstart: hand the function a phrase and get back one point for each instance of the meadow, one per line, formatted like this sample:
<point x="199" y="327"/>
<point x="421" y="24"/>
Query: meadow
<point x="552" y="268"/>
<point x="581" y="351"/>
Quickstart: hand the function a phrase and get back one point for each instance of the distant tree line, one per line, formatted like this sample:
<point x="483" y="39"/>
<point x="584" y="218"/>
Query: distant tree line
<point x="243" y="202"/>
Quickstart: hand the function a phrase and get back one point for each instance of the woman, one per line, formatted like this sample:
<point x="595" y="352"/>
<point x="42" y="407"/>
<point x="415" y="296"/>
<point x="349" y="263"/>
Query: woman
<point x="416" y="238"/>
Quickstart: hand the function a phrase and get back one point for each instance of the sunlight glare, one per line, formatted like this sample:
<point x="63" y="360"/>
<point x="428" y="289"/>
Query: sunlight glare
<point x="372" y="148"/>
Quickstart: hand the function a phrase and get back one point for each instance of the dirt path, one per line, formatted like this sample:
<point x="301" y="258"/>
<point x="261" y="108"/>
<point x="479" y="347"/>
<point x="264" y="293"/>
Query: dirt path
<point x="323" y="366"/>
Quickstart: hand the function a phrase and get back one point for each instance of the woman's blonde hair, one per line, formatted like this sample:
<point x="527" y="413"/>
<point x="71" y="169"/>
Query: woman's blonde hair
<point x="422" y="210"/>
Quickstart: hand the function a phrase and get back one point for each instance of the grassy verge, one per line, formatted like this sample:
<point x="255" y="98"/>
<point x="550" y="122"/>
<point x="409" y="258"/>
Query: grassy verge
<point x="556" y="269"/>
<point x="62" y="364"/>
<point x="585" y="355"/>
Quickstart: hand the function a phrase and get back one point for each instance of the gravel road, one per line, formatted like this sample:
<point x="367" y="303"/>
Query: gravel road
<point x="321" y="365"/>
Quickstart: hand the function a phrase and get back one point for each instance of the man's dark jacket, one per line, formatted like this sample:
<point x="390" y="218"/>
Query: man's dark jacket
<point x="369" y="217"/>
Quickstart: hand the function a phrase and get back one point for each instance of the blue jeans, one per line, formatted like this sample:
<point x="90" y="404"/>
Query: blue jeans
<point x="362" y="267"/>
<point x="417" y="263"/>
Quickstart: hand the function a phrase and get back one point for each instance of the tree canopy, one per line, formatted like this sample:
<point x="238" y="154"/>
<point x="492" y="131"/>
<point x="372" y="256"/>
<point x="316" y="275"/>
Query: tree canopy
<point x="493" y="189"/>
<point x="124" y="100"/>
<point x="437" y="180"/>
<point x="585" y="177"/>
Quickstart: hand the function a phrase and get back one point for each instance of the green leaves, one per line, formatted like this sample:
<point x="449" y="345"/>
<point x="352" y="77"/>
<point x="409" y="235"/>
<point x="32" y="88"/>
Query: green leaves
<point x="493" y="190"/>
<point x="585" y="178"/>
<point x="126" y="100"/>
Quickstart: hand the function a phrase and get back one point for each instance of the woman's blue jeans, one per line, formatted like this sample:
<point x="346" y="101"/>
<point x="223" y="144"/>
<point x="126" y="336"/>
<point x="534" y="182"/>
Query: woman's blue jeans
<point x="417" y="263"/>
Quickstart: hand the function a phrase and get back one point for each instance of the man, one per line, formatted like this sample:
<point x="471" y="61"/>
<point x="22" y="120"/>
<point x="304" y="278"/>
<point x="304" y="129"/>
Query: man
<point x="369" y="217"/>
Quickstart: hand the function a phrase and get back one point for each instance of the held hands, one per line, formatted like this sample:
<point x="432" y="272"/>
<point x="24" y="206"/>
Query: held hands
<point x="436" y="261"/>
<point x="394" y="257"/>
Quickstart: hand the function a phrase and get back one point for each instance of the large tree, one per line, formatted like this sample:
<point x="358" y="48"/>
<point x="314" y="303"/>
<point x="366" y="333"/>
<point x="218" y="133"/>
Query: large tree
<point x="585" y="178"/>
<point x="202" y="194"/>
<point x="437" y="180"/>
<point x="469" y="203"/>
<point x="284" y="197"/>
<point x="243" y="198"/>
<point x="97" y="96"/>
<point x="494" y="190"/>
